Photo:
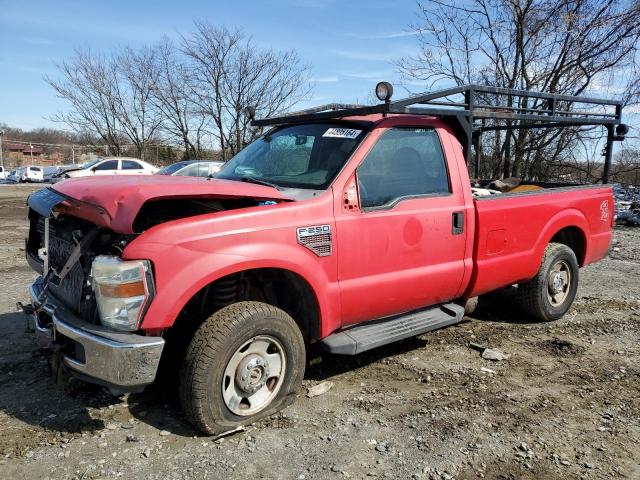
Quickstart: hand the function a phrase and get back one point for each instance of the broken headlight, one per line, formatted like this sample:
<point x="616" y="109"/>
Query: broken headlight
<point x="123" y="289"/>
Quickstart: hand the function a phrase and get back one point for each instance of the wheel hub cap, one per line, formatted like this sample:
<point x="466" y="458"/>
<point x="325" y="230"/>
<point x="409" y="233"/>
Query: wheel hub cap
<point x="252" y="373"/>
<point x="253" y="376"/>
<point x="559" y="283"/>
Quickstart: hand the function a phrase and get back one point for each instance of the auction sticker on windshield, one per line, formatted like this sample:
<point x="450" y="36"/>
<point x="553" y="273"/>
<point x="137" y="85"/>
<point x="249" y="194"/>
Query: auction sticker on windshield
<point x="342" y="133"/>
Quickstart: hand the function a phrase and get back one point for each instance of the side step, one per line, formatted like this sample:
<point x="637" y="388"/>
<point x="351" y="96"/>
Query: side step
<point x="363" y="337"/>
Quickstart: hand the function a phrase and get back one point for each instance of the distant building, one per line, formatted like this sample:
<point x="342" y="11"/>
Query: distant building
<point x="18" y="154"/>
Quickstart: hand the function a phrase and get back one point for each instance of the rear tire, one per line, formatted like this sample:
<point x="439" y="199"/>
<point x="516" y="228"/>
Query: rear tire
<point x="549" y="295"/>
<point x="245" y="362"/>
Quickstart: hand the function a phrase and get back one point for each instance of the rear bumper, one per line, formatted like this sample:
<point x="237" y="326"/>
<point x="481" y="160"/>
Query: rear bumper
<point x="125" y="362"/>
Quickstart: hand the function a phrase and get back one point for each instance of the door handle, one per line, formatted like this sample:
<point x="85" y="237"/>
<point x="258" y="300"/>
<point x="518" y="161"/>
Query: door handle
<point x="457" y="221"/>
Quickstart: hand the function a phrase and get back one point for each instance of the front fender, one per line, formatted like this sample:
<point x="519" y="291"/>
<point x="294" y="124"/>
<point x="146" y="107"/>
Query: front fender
<point x="182" y="270"/>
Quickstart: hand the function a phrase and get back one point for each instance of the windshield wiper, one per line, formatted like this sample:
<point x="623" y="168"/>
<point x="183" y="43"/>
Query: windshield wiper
<point x="258" y="181"/>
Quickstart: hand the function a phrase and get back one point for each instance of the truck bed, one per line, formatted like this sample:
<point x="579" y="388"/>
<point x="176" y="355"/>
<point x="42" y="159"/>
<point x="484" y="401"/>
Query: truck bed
<point x="513" y="229"/>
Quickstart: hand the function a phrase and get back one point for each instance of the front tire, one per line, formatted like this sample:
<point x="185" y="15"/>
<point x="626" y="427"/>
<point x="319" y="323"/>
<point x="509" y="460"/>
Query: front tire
<point x="549" y="295"/>
<point x="245" y="362"/>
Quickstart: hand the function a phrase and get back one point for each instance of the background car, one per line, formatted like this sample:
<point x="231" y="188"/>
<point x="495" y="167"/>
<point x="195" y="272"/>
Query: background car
<point x="26" y="174"/>
<point x="49" y="172"/>
<point x="192" y="168"/>
<point x="112" y="166"/>
<point x="12" y="176"/>
<point x="3" y="173"/>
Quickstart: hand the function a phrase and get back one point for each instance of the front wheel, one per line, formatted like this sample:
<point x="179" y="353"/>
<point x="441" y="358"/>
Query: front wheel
<point x="245" y="362"/>
<point x="549" y="295"/>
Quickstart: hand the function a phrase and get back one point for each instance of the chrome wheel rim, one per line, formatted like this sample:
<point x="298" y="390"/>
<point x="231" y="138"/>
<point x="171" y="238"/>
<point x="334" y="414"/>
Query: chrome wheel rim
<point x="559" y="283"/>
<point x="254" y="375"/>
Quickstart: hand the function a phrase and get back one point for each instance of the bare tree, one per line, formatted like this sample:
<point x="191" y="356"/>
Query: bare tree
<point x="136" y="78"/>
<point x="183" y="120"/>
<point x="110" y="97"/>
<point x="559" y="46"/>
<point x="87" y="83"/>
<point x="626" y="168"/>
<point x="186" y="95"/>
<point x="231" y="72"/>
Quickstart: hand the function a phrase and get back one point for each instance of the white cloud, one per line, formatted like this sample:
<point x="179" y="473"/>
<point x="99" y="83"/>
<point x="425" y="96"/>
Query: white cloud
<point x="368" y="56"/>
<point x="369" y="75"/>
<point x="37" y="41"/>
<point x="376" y="36"/>
<point x="325" y="79"/>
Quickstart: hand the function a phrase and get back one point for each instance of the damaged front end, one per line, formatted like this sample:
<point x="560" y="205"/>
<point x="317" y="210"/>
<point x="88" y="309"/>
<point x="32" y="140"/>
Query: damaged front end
<point x="64" y="310"/>
<point x="89" y="302"/>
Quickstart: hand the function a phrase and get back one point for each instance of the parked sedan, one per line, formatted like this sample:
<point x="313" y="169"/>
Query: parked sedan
<point x="192" y="168"/>
<point x="112" y="166"/>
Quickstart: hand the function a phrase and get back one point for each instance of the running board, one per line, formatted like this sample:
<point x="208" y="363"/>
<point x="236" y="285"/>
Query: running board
<point x="363" y="337"/>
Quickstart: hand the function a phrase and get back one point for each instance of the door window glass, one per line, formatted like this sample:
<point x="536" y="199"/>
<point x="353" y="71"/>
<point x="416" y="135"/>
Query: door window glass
<point x="404" y="162"/>
<point x="131" y="165"/>
<point x="108" y="165"/>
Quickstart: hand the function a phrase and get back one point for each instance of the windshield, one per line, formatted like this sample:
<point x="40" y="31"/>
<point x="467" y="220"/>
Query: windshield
<point x="173" y="168"/>
<point x="305" y="156"/>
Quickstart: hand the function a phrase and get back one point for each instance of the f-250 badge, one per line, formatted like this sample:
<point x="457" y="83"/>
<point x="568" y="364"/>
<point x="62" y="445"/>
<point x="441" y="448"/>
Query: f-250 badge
<point x="316" y="238"/>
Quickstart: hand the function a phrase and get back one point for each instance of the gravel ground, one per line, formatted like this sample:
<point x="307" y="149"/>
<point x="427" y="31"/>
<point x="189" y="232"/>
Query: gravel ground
<point x="564" y="405"/>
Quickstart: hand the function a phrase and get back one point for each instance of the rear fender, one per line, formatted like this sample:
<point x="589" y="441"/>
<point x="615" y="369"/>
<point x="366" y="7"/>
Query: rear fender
<point x="566" y="218"/>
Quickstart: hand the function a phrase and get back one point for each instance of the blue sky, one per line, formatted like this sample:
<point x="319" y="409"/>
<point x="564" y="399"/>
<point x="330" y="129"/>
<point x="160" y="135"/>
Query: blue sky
<point x="348" y="43"/>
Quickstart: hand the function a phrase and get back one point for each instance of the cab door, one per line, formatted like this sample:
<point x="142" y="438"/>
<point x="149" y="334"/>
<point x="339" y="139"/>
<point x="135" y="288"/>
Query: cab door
<point x="403" y="247"/>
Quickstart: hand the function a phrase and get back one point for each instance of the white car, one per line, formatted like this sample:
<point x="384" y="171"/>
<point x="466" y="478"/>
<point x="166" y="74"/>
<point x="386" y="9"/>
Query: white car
<point x="112" y="166"/>
<point x="3" y="173"/>
<point x="28" y="174"/>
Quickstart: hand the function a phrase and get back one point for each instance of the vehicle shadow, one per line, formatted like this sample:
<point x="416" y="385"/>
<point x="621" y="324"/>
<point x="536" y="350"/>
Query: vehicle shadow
<point x="33" y="394"/>
<point x="502" y="306"/>
<point x="54" y="401"/>
<point x="323" y="365"/>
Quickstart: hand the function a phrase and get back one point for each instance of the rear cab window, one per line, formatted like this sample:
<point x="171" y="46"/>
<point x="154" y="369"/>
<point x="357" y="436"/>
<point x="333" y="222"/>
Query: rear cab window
<point x="403" y="163"/>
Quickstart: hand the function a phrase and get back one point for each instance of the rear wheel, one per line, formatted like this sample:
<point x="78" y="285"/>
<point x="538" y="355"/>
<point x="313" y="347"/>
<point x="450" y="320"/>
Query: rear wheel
<point x="245" y="362"/>
<point x="549" y="295"/>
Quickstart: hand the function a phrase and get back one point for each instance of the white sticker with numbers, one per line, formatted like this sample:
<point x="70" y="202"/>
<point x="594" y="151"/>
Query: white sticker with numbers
<point x="342" y="133"/>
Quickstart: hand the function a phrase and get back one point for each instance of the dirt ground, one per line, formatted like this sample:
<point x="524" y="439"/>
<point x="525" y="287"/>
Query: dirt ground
<point x="565" y="405"/>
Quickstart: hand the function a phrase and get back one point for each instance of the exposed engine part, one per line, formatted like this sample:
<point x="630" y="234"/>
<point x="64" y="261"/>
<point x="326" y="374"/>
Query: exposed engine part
<point x="165" y="210"/>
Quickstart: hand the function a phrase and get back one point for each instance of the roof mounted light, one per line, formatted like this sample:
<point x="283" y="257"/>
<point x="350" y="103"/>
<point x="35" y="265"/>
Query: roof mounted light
<point x="622" y="130"/>
<point x="250" y="112"/>
<point x="384" y="91"/>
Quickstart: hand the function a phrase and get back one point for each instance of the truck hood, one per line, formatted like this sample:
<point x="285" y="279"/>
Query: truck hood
<point x="114" y="201"/>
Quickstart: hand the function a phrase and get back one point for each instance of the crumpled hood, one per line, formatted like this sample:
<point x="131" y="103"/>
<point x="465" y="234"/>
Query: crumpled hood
<point x="114" y="201"/>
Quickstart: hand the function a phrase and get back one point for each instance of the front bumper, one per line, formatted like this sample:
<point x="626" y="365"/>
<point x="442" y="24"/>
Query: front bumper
<point x="124" y="362"/>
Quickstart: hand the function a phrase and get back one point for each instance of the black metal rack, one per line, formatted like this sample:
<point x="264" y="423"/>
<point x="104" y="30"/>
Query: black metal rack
<point x="476" y="104"/>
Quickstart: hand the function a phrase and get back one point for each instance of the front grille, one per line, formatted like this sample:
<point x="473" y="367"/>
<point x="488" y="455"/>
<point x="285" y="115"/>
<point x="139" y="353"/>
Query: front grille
<point x="73" y="291"/>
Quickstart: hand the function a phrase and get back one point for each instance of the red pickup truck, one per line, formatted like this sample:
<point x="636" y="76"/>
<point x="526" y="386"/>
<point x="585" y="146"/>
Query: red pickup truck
<point x="345" y="227"/>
